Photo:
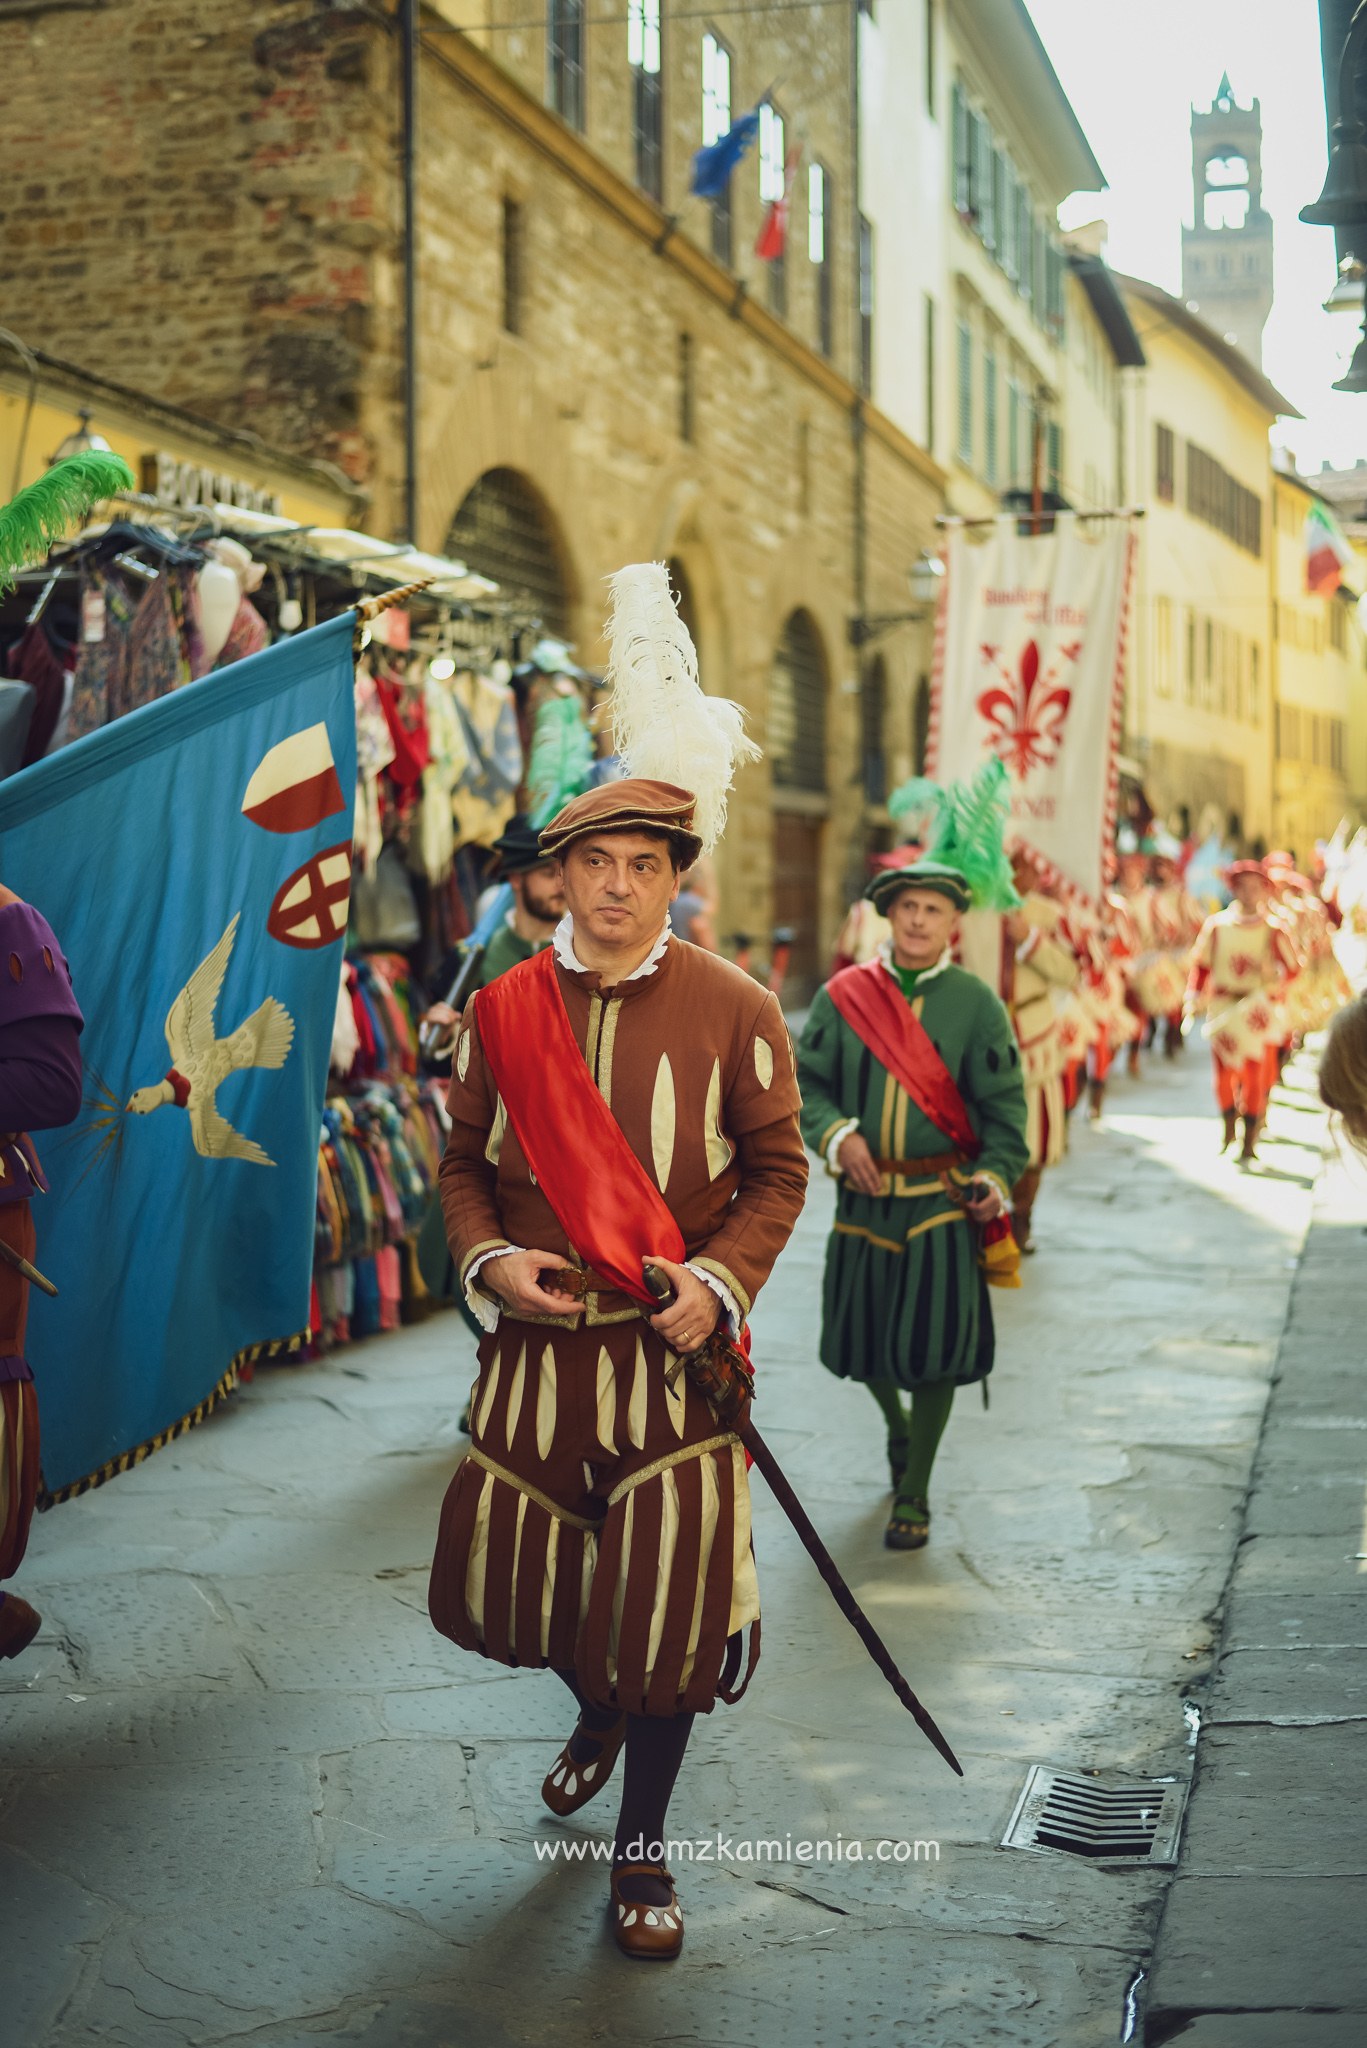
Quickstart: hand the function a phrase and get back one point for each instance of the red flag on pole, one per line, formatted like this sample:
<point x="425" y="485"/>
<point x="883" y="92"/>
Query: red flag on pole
<point x="773" y="234"/>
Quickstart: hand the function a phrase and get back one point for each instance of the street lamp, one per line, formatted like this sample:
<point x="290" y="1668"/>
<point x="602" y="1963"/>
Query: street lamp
<point x="1343" y="201"/>
<point x="924" y="580"/>
<point x="82" y="442"/>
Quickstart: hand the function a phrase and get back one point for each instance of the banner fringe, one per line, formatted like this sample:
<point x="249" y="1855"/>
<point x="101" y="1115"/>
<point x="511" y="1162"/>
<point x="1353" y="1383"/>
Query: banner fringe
<point x="253" y="1354"/>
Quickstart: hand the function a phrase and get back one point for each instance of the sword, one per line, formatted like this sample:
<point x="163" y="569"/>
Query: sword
<point x="663" y="1291"/>
<point x="21" y="1265"/>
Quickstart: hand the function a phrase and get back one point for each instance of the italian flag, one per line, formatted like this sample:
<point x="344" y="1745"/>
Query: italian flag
<point x="1327" y="553"/>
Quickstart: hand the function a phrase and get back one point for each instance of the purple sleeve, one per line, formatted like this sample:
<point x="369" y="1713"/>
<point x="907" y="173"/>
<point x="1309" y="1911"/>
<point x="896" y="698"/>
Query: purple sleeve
<point x="35" y="980"/>
<point x="40" y="1074"/>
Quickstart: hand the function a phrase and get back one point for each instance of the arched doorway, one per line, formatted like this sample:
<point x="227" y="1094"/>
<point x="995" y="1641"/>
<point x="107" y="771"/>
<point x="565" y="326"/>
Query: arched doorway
<point x="796" y="733"/>
<point x="503" y="530"/>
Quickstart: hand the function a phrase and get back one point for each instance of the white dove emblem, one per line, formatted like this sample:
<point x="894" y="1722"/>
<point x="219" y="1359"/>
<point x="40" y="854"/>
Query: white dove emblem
<point x="200" y="1063"/>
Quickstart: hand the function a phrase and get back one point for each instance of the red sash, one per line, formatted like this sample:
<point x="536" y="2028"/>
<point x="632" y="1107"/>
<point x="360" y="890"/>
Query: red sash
<point x="872" y="1004"/>
<point x="606" y="1203"/>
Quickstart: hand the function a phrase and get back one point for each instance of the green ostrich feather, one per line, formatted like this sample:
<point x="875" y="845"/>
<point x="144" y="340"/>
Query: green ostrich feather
<point x="560" y="758"/>
<point x="44" y="510"/>
<point x="969" y="835"/>
<point x="917" y="805"/>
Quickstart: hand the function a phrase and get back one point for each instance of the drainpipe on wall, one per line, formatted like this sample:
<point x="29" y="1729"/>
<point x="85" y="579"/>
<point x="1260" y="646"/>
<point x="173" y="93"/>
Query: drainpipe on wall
<point x="408" y="63"/>
<point x="858" y="434"/>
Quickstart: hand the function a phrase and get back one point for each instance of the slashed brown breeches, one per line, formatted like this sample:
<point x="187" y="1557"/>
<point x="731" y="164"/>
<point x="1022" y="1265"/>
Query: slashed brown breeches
<point x="600" y="1523"/>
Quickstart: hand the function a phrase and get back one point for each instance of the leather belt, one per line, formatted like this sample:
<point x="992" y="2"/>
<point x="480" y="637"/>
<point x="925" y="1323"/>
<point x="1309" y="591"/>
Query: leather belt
<point x="578" y="1282"/>
<point x="914" y="1169"/>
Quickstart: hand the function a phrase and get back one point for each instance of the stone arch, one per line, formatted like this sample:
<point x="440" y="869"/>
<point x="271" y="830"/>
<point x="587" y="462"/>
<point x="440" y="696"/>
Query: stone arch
<point x="499" y="420"/>
<point x="798" y="712"/>
<point x="503" y="529"/>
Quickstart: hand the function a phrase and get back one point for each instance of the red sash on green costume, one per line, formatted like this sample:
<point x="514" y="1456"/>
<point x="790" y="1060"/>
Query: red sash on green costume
<point x="604" y="1200"/>
<point x="872" y="1004"/>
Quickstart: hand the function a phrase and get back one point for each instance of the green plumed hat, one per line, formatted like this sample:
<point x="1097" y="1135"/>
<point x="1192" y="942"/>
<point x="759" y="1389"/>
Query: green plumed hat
<point x="967" y="837"/>
<point x="936" y="875"/>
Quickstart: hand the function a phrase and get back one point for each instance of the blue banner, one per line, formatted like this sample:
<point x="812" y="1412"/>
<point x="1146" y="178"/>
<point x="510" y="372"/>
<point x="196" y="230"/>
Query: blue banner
<point x="194" y="859"/>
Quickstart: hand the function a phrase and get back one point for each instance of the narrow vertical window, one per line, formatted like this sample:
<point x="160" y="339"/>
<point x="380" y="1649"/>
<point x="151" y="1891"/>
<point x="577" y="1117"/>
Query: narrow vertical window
<point x="819" y="224"/>
<point x="647" y="106"/>
<point x="865" y="303"/>
<point x="716" y="119"/>
<point x="965" y="437"/>
<point x="687" y="421"/>
<point x="1013" y="433"/>
<point x="990" y="415"/>
<point x="1054" y="446"/>
<point x="930" y="380"/>
<point x="931" y="53"/>
<point x="771" y="186"/>
<point x="512" y="266"/>
<point x="565" y="54"/>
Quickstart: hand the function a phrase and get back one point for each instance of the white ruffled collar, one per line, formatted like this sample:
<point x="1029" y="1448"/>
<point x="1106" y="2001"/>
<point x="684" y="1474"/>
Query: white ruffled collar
<point x="563" y="941"/>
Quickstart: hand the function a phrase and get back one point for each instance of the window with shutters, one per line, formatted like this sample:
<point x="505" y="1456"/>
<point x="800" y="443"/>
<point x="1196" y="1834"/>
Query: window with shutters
<point x="565" y="57"/>
<point x="932" y="40"/>
<point x="1013" y="432"/>
<point x="643" y="56"/>
<point x="1165" y="463"/>
<point x="1189" y="661"/>
<point x="502" y="531"/>
<point x="797" y="708"/>
<point x="990" y="415"/>
<point x="1008" y="235"/>
<point x="985" y="185"/>
<point x="961" y="145"/>
<point x="930" y="375"/>
<point x="964" y="442"/>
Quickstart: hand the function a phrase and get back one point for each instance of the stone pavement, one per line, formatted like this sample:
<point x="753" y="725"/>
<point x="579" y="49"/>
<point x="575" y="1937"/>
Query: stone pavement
<point x="247" y="1795"/>
<point x="1262" y="1936"/>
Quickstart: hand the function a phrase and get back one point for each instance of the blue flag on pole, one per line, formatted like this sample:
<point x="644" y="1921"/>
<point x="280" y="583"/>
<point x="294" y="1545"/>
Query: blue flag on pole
<point x="194" y="859"/>
<point x="712" y="166"/>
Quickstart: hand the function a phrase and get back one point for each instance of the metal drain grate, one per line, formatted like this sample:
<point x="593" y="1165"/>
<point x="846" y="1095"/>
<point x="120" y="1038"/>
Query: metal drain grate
<point x="1104" y="1819"/>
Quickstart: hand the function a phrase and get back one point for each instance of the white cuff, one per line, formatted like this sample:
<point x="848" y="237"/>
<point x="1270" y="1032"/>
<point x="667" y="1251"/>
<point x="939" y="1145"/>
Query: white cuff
<point x="730" y="1306"/>
<point x="485" y="1308"/>
<point x="833" y="1144"/>
<point x="1029" y="945"/>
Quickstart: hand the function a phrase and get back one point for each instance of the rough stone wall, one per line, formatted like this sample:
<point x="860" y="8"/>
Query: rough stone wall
<point x="204" y="190"/>
<point x="222" y="230"/>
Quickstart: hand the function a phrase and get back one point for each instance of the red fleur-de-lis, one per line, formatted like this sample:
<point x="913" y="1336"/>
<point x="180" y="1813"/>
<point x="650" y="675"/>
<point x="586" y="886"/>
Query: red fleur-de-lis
<point x="1026" y="717"/>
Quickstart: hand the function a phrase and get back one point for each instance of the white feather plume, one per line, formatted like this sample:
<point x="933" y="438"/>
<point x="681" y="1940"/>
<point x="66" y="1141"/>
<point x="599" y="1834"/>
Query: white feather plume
<point x="664" y="726"/>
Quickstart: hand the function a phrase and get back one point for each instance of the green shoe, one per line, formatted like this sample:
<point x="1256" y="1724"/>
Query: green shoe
<point x="909" y="1527"/>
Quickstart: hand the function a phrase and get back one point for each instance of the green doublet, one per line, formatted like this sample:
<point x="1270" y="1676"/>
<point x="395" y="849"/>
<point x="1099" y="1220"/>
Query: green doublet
<point x="505" y="949"/>
<point x="905" y="1298"/>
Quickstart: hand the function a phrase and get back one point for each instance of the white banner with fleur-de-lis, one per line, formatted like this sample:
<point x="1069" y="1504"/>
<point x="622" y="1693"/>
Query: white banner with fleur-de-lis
<point x="1030" y="664"/>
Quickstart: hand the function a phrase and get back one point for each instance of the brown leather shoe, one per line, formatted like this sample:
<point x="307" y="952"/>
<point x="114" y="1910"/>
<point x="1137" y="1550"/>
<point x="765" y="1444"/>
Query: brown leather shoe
<point x="19" y="1624"/>
<point x="652" y="1934"/>
<point x="569" y="1785"/>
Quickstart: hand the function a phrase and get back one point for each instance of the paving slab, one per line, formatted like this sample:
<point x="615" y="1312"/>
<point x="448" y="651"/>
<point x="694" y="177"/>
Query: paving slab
<point x="1279" y="1800"/>
<point x="255" y="1799"/>
<point x="1290" y="1687"/>
<point x="1250" y="1944"/>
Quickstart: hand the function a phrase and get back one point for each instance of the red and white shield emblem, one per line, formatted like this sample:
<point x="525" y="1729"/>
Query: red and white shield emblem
<point x="310" y="907"/>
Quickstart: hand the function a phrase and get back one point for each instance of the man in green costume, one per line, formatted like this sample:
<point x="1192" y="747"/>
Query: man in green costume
<point x="926" y="1142"/>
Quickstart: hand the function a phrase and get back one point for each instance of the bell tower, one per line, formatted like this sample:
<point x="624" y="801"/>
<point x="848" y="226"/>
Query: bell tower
<point x="1227" y="256"/>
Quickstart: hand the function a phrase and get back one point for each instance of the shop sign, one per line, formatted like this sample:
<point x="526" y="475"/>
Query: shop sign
<point x="187" y="484"/>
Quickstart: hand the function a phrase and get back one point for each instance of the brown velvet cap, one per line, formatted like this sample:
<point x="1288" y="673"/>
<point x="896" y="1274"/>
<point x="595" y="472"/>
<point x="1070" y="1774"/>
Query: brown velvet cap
<point x="631" y="805"/>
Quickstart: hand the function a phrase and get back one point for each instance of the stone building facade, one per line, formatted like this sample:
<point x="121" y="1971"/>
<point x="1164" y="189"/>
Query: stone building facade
<point x="596" y="383"/>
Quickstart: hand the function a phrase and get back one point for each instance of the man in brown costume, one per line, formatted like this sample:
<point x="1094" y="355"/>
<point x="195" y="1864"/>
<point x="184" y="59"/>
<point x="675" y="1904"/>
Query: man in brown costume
<point x="600" y="1525"/>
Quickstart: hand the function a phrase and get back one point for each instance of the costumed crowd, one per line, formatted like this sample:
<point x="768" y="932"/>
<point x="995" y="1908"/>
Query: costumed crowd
<point x="624" y="1154"/>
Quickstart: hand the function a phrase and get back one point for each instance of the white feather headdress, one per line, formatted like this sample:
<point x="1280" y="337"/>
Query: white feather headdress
<point x="664" y="726"/>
